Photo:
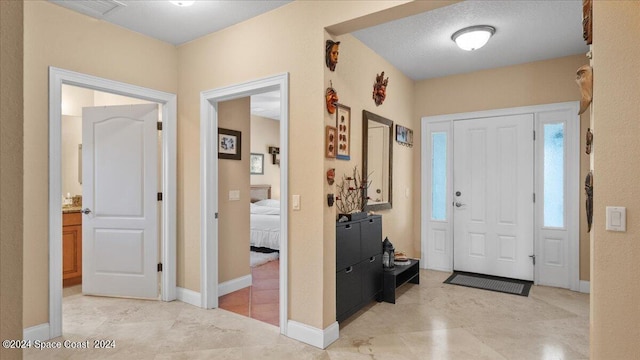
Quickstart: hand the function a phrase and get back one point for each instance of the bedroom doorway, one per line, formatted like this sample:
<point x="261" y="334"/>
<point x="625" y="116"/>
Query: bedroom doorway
<point x="226" y="149"/>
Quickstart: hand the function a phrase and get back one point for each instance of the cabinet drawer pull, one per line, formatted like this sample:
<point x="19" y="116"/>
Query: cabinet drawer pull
<point x="370" y="220"/>
<point x="348" y="227"/>
<point x="372" y="259"/>
<point x="349" y="269"/>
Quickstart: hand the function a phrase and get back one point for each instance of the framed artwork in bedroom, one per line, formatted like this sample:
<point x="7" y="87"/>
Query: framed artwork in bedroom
<point x="229" y="144"/>
<point x="256" y="164"/>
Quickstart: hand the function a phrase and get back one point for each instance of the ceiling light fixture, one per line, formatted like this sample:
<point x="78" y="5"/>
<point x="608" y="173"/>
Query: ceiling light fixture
<point x="473" y="37"/>
<point x="183" y="3"/>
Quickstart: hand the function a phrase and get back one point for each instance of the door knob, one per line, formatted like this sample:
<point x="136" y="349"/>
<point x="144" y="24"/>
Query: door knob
<point x="459" y="204"/>
<point x="85" y="211"/>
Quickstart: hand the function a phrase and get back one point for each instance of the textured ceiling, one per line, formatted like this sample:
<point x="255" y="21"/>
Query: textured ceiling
<point x="167" y="22"/>
<point x="421" y="47"/>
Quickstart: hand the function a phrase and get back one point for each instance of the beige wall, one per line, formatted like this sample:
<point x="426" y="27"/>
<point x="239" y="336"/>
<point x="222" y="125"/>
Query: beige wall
<point x="289" y="39"/>
<point x="615" y="280"/>
<point x="58" y="37"/>
<point x="233" y="223"/>
<point x="353" y="80"/>
<point x="536" y="83"/>
<point x="11" y="175"/>
<point x="265" y="132"/>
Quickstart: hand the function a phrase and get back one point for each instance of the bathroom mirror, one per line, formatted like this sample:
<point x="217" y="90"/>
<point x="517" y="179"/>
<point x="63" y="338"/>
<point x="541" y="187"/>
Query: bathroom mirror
<point x="377" y="159"/>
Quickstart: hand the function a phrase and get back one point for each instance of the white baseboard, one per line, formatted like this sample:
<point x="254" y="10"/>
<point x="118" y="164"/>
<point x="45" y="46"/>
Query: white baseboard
<point x="188" y="296"/>
<point x="585" y="287"/>
<point x="313" y="336"/>
<point x="38" y="332"/>
<point x="236" y="284"/>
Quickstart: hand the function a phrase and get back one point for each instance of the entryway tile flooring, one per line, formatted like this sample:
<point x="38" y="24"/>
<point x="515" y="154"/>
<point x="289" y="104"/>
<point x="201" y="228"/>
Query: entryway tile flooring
<point x="429" y="321"/>
<point x="261" y="301"/>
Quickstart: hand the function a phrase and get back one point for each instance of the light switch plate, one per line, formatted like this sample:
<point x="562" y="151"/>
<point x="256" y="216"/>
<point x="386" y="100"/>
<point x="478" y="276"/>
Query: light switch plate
<point x="616" y="218"/>
<point x="295" y="202"/>
<point x="234" y="195"/>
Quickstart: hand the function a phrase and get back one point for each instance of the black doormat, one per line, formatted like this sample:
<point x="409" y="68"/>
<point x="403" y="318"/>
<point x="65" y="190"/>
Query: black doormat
<point x="488" y="282"/>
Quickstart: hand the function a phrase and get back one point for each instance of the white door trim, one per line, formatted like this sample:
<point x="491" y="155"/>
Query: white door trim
<point x="573" y="171"/>
<point x="58" y="77"/>
<point x="209" y="184"/>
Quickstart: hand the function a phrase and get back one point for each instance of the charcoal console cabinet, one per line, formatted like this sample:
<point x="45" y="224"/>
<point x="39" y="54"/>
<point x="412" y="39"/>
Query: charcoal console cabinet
<point x="358" y="264"/>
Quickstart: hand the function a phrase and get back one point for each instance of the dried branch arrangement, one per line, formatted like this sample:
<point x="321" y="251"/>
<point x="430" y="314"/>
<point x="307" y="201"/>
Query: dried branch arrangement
<point x="351" y="190"/>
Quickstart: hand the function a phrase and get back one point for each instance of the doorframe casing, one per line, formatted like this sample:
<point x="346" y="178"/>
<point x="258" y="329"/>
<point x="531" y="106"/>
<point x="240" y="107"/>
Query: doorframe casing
<point x="572" y="168"/>
<point x="57" y="78"/>
<point x="209" y="184"/>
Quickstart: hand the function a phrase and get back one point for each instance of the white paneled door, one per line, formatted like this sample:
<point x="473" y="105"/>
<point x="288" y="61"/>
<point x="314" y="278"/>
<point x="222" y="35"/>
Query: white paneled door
<point x="493" y="188"/>
<point x="119" y="224"/>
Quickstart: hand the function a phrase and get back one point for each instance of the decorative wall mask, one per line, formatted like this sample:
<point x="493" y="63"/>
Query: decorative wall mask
<point x="331" y="97"/>
<point x="584" y="79"/>
<point x="587" y="28"/>
<point x="380" y="89"/>
<point x="331" y="54"/>
<point x="588" y="189"/>
<point x="588" y="141"/>
<point x="331" y="176"/>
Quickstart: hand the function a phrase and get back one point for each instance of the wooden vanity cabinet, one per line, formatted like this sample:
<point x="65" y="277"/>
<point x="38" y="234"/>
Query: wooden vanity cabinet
<point x="71" y="249"/>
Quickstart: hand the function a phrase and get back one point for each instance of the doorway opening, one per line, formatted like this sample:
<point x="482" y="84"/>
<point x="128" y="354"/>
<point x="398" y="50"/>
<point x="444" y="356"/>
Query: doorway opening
<point x="212" y="106"/>
<point x="167" y="173"/>
<point x="460" y="230"/>
<point x="249" y="226"/>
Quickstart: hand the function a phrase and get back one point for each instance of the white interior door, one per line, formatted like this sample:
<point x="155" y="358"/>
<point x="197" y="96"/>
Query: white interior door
<point x="493" y="196"/>
<point x="120" y="236"/>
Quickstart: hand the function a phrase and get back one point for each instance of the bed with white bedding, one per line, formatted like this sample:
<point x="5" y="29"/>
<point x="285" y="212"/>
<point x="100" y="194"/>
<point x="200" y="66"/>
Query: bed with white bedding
<point x="265" y="224"/>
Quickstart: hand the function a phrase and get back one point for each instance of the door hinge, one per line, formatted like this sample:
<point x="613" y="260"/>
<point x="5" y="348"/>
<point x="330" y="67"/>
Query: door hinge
<point x="215" y="216"/>
<point x="533" y="258"/>
<point x="159" y="196"/>
<point x="159" y="267"/>
<point x="534" y="135"/>
<point x="534" y="197"/>
<point x="159" y="125"/>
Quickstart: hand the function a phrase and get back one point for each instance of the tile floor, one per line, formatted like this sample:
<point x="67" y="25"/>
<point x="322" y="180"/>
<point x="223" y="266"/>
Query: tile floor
<point x="261" y="301"/>
<point x="429" y="321"/>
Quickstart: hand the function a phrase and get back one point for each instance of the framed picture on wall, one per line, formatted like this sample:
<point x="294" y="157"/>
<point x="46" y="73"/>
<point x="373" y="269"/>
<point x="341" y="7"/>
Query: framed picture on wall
<point x="256" y="164"/>
<point x="331" y="137"/>
<point x="229" y="144"/>
<point x="343" y="124"/>
<point x="404" y="136"/>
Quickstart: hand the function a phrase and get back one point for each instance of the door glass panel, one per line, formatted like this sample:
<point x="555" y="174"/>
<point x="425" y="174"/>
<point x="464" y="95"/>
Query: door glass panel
<point x="554" y="151"/>
<point x="439" y="176"/>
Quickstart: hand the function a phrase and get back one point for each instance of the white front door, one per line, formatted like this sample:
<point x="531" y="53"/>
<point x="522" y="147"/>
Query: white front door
<point x="493" y="196"/>
<point x="120" y="236"/>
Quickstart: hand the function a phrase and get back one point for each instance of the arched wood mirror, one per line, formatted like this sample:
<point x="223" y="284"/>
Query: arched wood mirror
<point x="377" y="159"/>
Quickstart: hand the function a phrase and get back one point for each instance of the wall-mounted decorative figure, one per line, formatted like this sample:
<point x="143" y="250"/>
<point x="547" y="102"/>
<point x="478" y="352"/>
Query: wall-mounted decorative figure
<point x="587" y="27"/>
<point x="332" y="50"/>
<point x="584" y="79"/>
<point x="331" y="97"/>
<point x="588" y="141"/>
<point x="588" y="189"/>
<point x="380" y="89"/>
<point x="331" y="176"/>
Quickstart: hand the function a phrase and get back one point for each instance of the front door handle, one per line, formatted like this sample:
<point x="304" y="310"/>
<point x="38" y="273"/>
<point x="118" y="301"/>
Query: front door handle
<point x="459" y="204"/>
<point x="86" y="211"/>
